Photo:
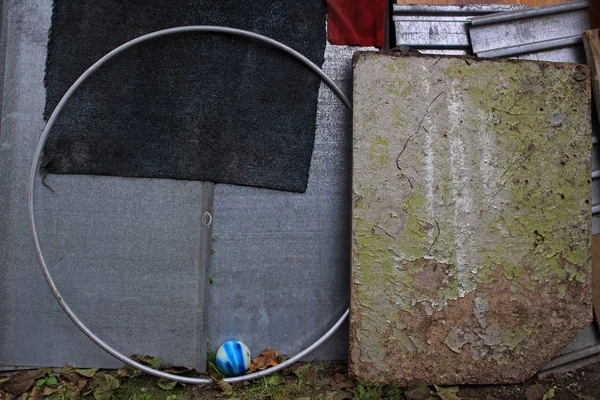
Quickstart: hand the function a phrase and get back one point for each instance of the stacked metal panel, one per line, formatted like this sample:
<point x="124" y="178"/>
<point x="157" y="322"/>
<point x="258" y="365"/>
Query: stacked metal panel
<point x="440" y="29"/>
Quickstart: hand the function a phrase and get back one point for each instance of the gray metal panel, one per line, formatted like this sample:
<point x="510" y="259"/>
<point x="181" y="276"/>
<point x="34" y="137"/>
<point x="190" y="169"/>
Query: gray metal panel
<point x="573" y="54"/>
<point x="588" y="337"/>
<point x="431" y="31"/>
<point x="534" y="12"/>
<point x="448" y="52"/>
<point x="2" y="53"/>
<point x="125" y="252"/>
<point x="456" y="9"/>
<point x="281" y="261"/>
<point x="536" y="29"/>
<point x="439" y="26"/>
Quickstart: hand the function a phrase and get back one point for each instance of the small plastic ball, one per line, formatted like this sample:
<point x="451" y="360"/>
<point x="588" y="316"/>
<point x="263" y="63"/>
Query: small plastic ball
<point x="233" y="358"/>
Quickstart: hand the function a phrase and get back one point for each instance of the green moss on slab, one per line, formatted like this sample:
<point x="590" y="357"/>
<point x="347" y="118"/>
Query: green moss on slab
<point x="379" y="152"/>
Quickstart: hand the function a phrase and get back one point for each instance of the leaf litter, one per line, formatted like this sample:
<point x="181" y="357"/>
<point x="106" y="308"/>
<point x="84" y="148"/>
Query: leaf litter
<point x="314" y="380"/>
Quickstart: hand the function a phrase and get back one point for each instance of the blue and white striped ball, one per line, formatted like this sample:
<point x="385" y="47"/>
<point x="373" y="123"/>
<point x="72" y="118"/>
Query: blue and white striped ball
<point x="233" y="358"/>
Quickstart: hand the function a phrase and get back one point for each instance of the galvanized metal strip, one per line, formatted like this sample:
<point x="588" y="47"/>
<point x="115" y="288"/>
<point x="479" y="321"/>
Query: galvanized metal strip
<point x="466" y="9"/>
<point x="531" y="47"/>
<point x="439" y="26"/>
<point x="533" y="30"/>
<point x="447" y="52"/>
<point x="572" y="54"/>
<point x="534" y="12"/>
<point x="579" y="363"/>
<point x="432" y="18"/>
<point x="571" y="357"/>
<point x="432" y="31"/>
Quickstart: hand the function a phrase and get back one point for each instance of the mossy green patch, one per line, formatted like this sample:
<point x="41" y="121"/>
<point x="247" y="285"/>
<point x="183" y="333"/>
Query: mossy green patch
<point x="544" y="175"/>
<point x="379" y="152"/>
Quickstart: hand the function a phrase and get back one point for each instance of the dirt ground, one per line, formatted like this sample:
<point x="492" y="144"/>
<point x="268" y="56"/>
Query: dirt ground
<point x="331" y="381"/>
<point x="302" y="381"/>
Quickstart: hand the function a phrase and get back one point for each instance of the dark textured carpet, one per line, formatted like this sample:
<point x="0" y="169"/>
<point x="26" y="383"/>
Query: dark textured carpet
<point x="193" y="106"/>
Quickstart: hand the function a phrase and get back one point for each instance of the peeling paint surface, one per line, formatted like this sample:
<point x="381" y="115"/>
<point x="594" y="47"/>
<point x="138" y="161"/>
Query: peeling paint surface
<point x="471" y="217"/>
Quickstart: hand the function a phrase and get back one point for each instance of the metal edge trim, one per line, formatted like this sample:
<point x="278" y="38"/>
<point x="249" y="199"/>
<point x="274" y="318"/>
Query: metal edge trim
<point x="531" y="47"/>
<point x="530" y="13"/>
<point x="456" y="9"/>
<point x="433" y="18"/>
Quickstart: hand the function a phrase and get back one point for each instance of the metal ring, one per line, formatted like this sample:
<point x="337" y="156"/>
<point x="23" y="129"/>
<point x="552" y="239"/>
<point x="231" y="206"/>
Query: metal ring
<point x="36" y="162"/>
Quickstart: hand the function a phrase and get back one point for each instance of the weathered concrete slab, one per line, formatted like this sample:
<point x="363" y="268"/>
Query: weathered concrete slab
<point x="471" y="217"/>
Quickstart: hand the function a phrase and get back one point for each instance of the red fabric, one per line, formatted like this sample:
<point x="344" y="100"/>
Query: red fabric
<point x="356" y="22"/>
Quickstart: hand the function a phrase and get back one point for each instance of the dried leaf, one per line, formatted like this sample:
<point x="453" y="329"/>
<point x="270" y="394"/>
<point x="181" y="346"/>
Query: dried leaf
<point x="583" y="396"/>
<point x="535" y="392"/>
<point x="343" y="384"/>
<point x="48" y="390"/>
<point x="338" y="378"/>
<point x="81" y="384"/>
<point x="151" y="361"/>
<point x="341" y="369"/>
<point x="549" y="394"/>
<point x="88" y="373"/>
<point x="3" y="379"/>
<point x="69" y="391"/>
<point x="223" y="386"/>
<point x="311" y="377"/>
<point x="326" y="380"/>
<point x="418" y="393"/>
<point x="21" y="381"/>
<point x="448" y="393"/>
<point x="266" y="359"/>
<point x="166" y="384"/>
<point x="177" y="369"/>
<point x="128" y="372"/>
<point x="104" y="385"/>
<point x="123" y="373"/>
<point x="300" y="372"/>
<point x="35" y="394"/>
<point x="68" y="373"/>
<point x="342" y="395"/>
<point x="318" y="367"/>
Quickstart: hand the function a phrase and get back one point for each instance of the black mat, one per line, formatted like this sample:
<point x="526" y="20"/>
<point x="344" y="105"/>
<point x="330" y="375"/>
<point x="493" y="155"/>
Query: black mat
<point x="193" y="106"/>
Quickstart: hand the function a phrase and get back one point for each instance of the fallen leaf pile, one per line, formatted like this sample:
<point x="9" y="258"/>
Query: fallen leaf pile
<point x="67" y="384"/>
<point x="71" y="384"/>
